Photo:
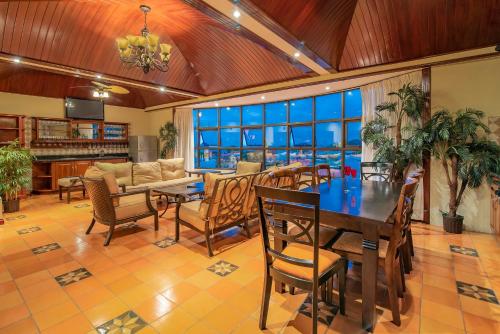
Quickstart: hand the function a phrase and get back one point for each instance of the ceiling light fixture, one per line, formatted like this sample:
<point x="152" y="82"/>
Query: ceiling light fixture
<point x="101" y="94"/>
<point x="162" y="89"/>
<point x="142" y="50"/>
<point x="98" y="76"/>
<point x="16" y="60"/>
<point x="327" y="87"/>
<point x="263" y="97"/>
<point x="296" y="54"/>
<point x="216" y="104"/>
<point x="236" y="14"/>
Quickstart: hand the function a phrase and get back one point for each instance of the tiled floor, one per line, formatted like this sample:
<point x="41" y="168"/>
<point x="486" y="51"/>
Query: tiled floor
<point x="56" y="279"/>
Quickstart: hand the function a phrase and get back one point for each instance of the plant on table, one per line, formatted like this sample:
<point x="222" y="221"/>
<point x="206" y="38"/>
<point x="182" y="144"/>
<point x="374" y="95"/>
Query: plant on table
<point x="15" y="174"/>
<point x="399" y="150"/>
<point x="168" y="138"/>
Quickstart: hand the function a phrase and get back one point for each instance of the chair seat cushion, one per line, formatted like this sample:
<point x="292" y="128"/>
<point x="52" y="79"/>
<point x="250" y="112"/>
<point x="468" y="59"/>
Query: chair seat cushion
<point x="69" y="182"/>
<point x="326" y="234"/>
<point x="190" y="213"/>
<point x="325" y="260"/>
<point x="132" y="205"/>
<point x="351" y="242"/>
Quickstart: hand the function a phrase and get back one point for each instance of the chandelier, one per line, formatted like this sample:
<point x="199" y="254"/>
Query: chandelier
<point x="142" y="50"/>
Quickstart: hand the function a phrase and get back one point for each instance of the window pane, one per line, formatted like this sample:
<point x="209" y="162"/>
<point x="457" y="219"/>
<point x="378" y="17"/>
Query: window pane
<point x="329" y="134"/>
<point x="329" y="106"/>
<point x="195" y="118"/>
<point x="252" y="115"/>
<point x="352" y="100"/>
<point x="353" y="133"/>
<point x="230" y="137"/>
<point x="230" y="116"/>
<point x="195" y="134"/>
<point x="353" y="161"/>
<point x="333" y="158"/>
<point x="196" y="160"/>
<point x="276" y="112"/>
<point x="275" y="158"/>
<point x="252" y="155"/>
<point x="208" y="158"/>
<point x="276" y="136"/>
<point x="209" y="138"/>
<point x="229" y="158"/>
<point x="301" y="136"/>
<point x="208" y="117"/>
<point x="301" y="110"/>
<point x="252" y="137"/>
<point x="303" y="156"/>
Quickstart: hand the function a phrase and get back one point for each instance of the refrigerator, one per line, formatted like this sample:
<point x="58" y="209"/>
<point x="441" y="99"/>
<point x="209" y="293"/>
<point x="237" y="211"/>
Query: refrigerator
<point x="143" y="148"/>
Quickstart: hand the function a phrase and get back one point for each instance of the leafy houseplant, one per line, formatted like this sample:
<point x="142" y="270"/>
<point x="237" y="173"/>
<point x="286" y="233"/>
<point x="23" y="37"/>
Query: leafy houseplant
<point x="399" y="151"/>
<point x="168" y="136"/>
<point x="458" y="140"/>
<point x="15" y="171"/>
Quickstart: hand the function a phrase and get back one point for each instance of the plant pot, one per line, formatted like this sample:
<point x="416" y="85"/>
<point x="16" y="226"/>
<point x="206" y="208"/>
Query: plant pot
<point x="11" y="205"/>
<point x="453" y="224"/>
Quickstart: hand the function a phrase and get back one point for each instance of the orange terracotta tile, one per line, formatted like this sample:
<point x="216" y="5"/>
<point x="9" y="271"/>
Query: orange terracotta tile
<point x="33" y="278"/>
<point x="177" y="321"/>
<point x="224" y="318"/>
<point x="55" y="314"/>
<point x="153" y="308"/>
<point x="124" y="283"/>
<point x="200" y="304"/>
<point x="7" y="287"/>
<point x="77" y="324"/>
<point x="136" y="295"/>
<point x="13" y="314"/>
<point x="25" y="326"/>
<point x="224" y="289"/>
<point x="108" y="310"/>
<point x="432" y="326"/>
<point x="181" y="292"/>
<point x="98" y="296"/>
<point x="450" y="316"/>
<point x="10" y="300"/>
<point x="440" y="296"/>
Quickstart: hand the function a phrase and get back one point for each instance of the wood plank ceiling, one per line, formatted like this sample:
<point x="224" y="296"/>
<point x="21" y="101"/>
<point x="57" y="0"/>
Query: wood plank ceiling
<point x="211" y="56"/>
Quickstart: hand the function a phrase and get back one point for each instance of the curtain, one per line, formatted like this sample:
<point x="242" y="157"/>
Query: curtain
<point x="374" y="94"/>
<point x="183" y="121"/>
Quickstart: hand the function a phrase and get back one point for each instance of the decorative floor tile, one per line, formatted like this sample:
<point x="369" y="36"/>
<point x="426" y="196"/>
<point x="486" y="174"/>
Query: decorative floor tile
<point x="222" y="268"/>
<point x="164" y="243"/>
<point x="128" y="322"/>
<point x="477" y="292"/>
<point x="45" y="248"/>
<point x="15" y="218"/>
<point x="326" y="312"/>
<point x="464" y="250"/>
<point x="73" y="276"/>
<point x="29" y="230"/>
<point x="84" y="205"/>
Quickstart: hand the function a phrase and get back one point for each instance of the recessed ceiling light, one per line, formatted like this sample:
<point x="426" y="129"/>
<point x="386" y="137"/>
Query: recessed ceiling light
<point x="16" y="60"/>
<point x="296" y="54"/>
<point x="95" y="93"/>
<point x="98" y="76"/>
<point x="162" y="89"/>
<point x="327" y="87"/>
<point x="216" y="104"/>
<point x="236" y="13"/>
<point x="263" y="97"/>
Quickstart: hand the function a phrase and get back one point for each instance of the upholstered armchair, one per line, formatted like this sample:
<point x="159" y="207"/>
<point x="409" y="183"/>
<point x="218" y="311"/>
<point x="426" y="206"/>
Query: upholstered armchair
<point x="112" y="207"/>
<point x="223" y="207"/>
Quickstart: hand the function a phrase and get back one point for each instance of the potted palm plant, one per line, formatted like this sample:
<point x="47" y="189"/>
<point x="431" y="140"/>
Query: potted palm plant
<point x="168" y="138"/>
<point x="397" y="149"/>
<point x="15" y="174"/>
<point x="459" y="141"/>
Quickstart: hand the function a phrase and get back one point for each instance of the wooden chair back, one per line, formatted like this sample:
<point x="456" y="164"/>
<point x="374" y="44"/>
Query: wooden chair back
<point x="304" y="177"/>
<point x="99" y="195"/>
<point x="284" y="178"/>
<point x="377" y="171"/>
<point x="322" y="173"/>
<point x="260" y="179"/>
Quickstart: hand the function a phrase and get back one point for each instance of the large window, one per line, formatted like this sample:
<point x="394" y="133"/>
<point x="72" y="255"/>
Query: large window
<point x="312" y="130"/>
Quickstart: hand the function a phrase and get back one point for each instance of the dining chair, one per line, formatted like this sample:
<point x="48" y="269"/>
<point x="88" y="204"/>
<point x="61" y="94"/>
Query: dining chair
<point x="323" y="173"/>
<point x="304" y="177"/>
<point x="290" y="260"/>
<point x="284" y="178"/>
<point x="417" y="175"/>
<point x="377" y="171"/>
<point x="350" y="246"/>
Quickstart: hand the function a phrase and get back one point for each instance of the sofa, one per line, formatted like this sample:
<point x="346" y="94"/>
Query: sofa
<point x="155" y="174"/>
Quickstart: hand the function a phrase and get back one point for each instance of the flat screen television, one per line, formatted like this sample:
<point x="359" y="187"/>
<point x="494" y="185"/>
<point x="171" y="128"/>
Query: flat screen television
<point x="84" y="109"/>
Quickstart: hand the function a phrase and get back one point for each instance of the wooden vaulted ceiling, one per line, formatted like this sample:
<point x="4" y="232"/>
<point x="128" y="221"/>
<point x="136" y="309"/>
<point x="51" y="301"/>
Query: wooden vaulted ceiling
<point x="211" y="55"/>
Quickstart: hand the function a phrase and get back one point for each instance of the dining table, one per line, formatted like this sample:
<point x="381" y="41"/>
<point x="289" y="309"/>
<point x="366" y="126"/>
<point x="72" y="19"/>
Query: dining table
<point x="361" y="206"/>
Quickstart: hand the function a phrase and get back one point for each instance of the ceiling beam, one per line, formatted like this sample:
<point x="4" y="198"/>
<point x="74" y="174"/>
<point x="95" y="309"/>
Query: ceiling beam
<point x="331" y="77"/>
<point x="71" y="71"/>
<point x="279" y="39"/>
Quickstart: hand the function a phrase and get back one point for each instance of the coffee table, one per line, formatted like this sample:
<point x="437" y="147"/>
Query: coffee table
<point x="180" y="192"/>
<point x="203" y="172"/>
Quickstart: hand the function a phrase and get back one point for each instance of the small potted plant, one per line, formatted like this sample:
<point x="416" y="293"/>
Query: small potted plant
<point x="459" y="141"/>
<point x="168" y="137"/>
<point x="15" y="174"/>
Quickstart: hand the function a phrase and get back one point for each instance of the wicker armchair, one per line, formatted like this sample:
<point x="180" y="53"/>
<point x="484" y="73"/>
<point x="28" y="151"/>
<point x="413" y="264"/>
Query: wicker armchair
<point x="224" y="206"/>
<point x="113" y="209"/>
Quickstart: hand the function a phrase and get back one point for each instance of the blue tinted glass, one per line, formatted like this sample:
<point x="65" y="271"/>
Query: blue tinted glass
<point x="276" y="112"/>
<point x="230" y="137"/>
<point x="229" y="158"/>
<point x="353" y="133"/>
<point x="209" y="138"/>
<point x="275" y="158"/>
<point x="195" y="117"/>
<point x="329" y="134"/>
<point x="276" y="136"/>
<point x="196" y="160"/>
<point x="333" y="158"/>
<point x="252" y="155"/>
<point x="252" y="115"/>
<point x="230" y="116"/>
<point x="301" y="136"/>
<point x="208" y="158"/>
<point x="301" y="110"/>
<point x="352" y="159"/>
<point x="353" y="106"/>
<point x="195" y="134"/>
<point x="328" y="106"/>
<point x="305" y="157"/>
<point x="208" y="117"/>
<point x="252" y="137"/>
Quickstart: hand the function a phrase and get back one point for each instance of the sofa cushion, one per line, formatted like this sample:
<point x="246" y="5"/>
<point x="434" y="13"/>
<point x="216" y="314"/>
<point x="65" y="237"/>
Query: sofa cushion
<point x="246" y="167"/>
<point x="172" y="168"/>
<point x="132" y="205"/>
<point x="160" y="184"/>
<point x="146" y="172"/>
<point x="190" y="213"/>
<point x="95" y="173"/>
<point x="122" y="171"/>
